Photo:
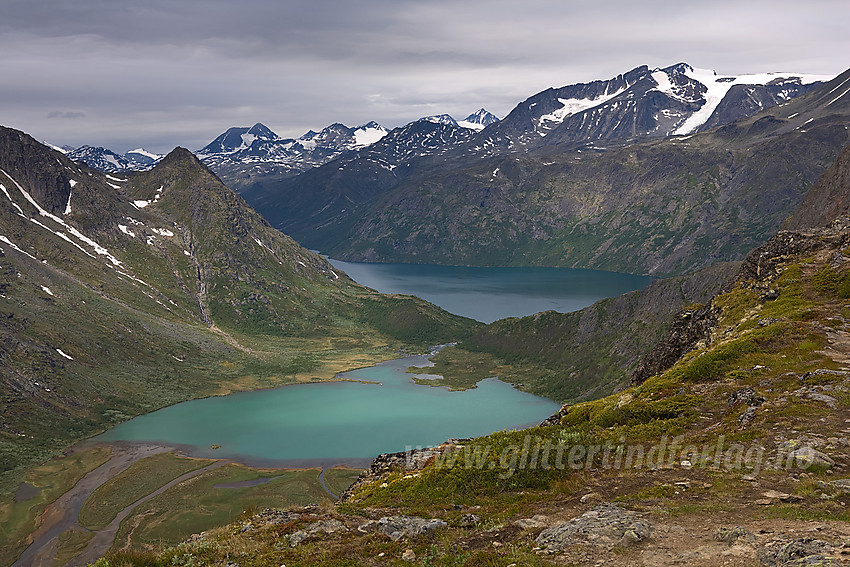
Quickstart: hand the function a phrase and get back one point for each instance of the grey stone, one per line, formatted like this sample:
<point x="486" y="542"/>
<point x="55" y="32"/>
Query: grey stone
<point x="747" y="417"/>
<point x="536" y="521"/>
<point x="805" y="457"/>
<point x="797" y="553"/>
<point x="731" y="536"/>
<point x="297" y="538"/>
<point x="397" y="527"/>
<point x="323" y="526"/>
<point x="606" y="525"/>
<point x="840" y="484"/>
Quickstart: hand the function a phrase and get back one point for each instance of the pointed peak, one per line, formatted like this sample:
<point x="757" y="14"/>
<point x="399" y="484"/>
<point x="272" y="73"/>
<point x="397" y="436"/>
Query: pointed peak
<point x="678" y="69"/>
<point x="262" y="131"/>
<point x="179" y="155"/>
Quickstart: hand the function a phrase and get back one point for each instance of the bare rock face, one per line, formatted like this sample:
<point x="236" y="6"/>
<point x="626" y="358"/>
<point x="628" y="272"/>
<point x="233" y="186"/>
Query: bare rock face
<point x="688" y="328"/>
<point x="607" y="525"/>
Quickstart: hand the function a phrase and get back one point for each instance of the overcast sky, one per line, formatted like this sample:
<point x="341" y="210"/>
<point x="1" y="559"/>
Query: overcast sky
<point x="160" y="73"/>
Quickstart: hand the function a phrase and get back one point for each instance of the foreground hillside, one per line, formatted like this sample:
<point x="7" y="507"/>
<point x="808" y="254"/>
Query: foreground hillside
<point x="735" y="453"/>
<point x="120" y="295"/>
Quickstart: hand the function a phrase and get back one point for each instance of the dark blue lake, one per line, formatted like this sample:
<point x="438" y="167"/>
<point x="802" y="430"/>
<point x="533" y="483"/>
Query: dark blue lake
<point x="488" y="294"/>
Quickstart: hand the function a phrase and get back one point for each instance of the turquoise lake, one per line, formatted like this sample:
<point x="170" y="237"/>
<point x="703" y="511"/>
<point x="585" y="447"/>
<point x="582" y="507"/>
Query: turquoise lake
<point x="488" y="294"/>
<point x="351" y="422"/>
<point x="336" y="422"/>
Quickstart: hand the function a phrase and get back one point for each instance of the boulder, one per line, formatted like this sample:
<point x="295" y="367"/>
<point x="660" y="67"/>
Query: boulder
<point x="397" y="527"/>
<point x="606" y="525"/>
<point x="798" y="552"/>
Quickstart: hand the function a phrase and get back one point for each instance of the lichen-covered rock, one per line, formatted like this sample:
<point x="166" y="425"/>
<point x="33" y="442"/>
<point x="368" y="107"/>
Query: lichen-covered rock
<point x="536" y="521"/>
<point x="397" y="527"/>
<point x="606" y="525"/>
<point x="798" y="552"/>
<point x="805" y="457"/>
<point x="732" y="536"/>
<point x="330" y="526"/>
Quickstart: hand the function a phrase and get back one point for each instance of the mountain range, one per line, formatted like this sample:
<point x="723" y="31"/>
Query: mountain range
<point x="644" y="201"/>
<point x="108" y="161"/>
<point x="241" y="155"/>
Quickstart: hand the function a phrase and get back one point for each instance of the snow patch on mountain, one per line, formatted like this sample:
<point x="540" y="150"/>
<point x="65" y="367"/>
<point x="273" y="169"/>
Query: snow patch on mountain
<point x="718" y="87"/>
<point x="478" y="120"/>
<point x="440" y="119"/>
<point x="574" y="106"/>
<point x="368" y="134"/>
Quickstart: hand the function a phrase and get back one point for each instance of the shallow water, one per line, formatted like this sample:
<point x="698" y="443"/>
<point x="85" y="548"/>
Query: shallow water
<point x="337" y="422"/>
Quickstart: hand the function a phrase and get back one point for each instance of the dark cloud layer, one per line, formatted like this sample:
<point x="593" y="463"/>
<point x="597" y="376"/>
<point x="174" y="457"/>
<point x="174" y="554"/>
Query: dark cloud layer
<point x="162" y="73"/>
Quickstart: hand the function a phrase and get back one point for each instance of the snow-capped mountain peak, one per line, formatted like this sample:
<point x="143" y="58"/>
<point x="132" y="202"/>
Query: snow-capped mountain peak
<point x="478" y="120"/>
<point x="238" y="139"/>
<point x="714" y="89"/>
<point x="240" y="154"/>
<point x="675" y="100"/>
<point x="439" y="119"/>
<point x="368" y="134"/>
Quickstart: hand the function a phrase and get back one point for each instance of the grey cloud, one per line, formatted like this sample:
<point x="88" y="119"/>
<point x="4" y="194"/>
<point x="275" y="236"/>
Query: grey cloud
<point x="66" y="115"/>
<point x="161" y="73"/>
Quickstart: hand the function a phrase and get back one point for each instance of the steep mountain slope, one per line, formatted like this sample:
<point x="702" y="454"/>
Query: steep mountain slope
<point x="733" y="453"/>
<point x="589" y="353"/>
<point x="120" y="295"/>
<point x="341" y="190"/>
<point x="828" y="200"/>
<point x="660" y="207"/>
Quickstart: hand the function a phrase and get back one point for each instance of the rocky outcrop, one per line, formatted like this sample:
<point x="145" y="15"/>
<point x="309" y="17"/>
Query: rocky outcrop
<point x="403" y="461"/>
<point x="397" y="527"/>
<point x="330" y="526"/>
<point x="689" y="328"/>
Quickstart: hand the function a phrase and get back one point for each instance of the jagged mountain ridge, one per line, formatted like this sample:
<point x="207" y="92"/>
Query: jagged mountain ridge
<point x="663" y="206"/>
<point x="108" y="161"/>
<point x="644" y="103"/>
<point x="240" y="155"/>
<point x="478" y="120"/>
